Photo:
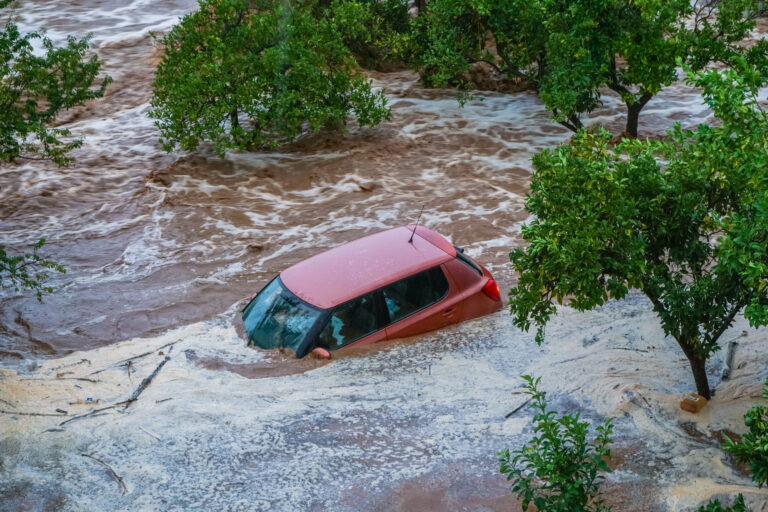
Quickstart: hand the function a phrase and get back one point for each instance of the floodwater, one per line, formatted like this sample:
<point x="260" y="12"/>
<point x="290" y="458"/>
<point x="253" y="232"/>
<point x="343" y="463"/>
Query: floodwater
<point x="161" y="250"/>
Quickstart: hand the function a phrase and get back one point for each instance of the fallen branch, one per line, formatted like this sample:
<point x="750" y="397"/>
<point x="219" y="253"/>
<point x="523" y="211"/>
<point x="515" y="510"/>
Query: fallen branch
<point x="147" y="381"/>
<point x="6" y="402"/>
<point x="518" y="408"/>
<point x="31" y="413"/>
<point x="95" y="411"/>
<point x="109" y="468"/>
<point x="86" y="379"/>
<point x="145" y="354"/>
<point x="149" y="433"/>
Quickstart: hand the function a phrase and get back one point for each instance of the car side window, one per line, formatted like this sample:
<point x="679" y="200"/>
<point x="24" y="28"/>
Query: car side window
<point x="349" y="322"/>
<point x="414" y="293"/>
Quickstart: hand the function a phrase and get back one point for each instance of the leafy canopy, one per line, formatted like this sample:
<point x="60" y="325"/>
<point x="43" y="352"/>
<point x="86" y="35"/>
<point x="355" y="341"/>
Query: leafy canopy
<point x="243" y="73"/>
<point x="27" y="271"/>
<point x="559" y="469"/>
<point x="569" y="50"/>
<point x="685" y="220"/>
<point x="715" y="506"/>
<point x="753" y="446"/>
<point x="35" y="89"/>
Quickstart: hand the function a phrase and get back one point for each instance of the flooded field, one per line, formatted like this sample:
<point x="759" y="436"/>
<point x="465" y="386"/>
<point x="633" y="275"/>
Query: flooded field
<point x="161" y="250"/>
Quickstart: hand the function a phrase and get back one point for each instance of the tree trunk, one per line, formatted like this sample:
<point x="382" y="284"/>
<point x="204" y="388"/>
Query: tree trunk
<point x="698" y="366"/>
<point x="633" y="114"/>
<point x="234" y="121"/>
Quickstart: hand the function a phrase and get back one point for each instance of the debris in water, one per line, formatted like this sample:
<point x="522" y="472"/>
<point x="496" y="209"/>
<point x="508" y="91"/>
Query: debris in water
<point x="693" y="403"/>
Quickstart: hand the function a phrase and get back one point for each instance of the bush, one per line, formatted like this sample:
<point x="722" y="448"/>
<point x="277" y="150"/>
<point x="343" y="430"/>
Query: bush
<point x="715" y="506"/>
<point x="753" y="447"/>
<point x="558" y="470"/>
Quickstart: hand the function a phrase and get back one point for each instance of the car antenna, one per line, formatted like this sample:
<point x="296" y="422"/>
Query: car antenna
<point x="410" y="240"/>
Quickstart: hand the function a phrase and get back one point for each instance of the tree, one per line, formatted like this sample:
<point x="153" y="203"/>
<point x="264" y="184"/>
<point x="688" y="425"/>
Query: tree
<point x="685" y="220"/>
<point x="570" y="50"/>
<point x="753" y="446"/>
<point x="27" y="271"/>
<point x="559" y="470"/>
<point x="244" y="73"/>
<point x="35" y="89"/>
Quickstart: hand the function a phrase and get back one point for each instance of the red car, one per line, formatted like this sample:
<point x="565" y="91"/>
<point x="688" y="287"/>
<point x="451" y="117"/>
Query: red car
<point x="392" y="284"/>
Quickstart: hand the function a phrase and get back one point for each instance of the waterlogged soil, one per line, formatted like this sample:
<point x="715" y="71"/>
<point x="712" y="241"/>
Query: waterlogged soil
<point x="162" y="249"/>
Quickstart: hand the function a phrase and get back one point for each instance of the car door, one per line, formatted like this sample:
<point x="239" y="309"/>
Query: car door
<point x="420" y="303"/>
<point x="356" y="321"/>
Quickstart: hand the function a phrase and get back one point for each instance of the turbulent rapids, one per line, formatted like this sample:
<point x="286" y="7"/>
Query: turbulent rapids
<point x="162" y="249"/>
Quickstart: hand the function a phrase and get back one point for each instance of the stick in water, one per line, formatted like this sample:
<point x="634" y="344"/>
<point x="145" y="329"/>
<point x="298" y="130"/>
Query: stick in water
<point x="146" y="382"/>
<point x="109" y="468"/>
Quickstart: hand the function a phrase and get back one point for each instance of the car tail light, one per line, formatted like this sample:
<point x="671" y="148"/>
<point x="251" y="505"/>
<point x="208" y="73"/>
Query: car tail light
<point x="491" y="289"/>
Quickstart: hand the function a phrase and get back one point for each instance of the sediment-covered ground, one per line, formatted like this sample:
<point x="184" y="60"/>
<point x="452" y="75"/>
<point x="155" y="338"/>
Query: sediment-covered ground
<point x="161" y="250"/>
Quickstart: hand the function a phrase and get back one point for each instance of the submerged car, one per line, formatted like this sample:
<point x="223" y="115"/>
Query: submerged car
<point x="392" y="284"/>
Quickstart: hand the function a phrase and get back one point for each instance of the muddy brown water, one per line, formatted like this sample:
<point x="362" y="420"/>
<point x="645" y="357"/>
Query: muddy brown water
<point x="153" y="240"/>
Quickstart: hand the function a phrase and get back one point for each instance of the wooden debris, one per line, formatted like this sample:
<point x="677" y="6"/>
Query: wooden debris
<point x="111" y="471"/>
<point x="29" y="413"/>
<point x="147" y="381"/>
<point x="96" y="411"/>
<point x="6" y="402"/>
<point x="150" y="433"/>
<point x="517" y="408"/>
<point x="693" y="403"/>
<point x="145" y="354"/>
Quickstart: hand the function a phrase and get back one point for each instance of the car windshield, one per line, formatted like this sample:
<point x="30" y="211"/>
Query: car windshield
<point x="277" y="318"/>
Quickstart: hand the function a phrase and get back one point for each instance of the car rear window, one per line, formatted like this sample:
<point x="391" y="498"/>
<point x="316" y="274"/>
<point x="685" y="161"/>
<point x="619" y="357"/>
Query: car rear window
<point x="349" y="322"/>
<point x="468" y="262"/>
<point x="413" y="293"/>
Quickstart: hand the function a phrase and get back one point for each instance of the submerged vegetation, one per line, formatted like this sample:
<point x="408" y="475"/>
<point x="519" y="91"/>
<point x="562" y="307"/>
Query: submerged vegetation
<point x="569" y="52"/>
<point x="36" y="87"/>
<point x="245" y="74"/>
<point x="684" y="219"/>
<point x="559" y="470"/>
<point x="27" y="271"/>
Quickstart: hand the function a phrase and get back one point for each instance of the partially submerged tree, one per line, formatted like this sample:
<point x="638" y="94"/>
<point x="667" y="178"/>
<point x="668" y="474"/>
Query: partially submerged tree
<point x="569" y="51"/>
<point x="685" y="220"/>
<point x="559" y="470"/>
<point x="244" y="73"/>
<point x="27" y="271"/>
<point x="35" y="87"/>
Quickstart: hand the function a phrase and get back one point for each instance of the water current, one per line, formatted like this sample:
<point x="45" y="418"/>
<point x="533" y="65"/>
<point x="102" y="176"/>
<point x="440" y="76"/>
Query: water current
<point x="163" y="248"/>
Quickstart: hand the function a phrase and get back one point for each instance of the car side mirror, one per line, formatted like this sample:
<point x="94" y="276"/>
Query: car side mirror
<point x="320" y="353"/>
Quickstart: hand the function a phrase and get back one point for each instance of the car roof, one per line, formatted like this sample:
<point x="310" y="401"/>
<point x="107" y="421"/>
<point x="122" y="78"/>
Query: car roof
<point x="360" y="266"/>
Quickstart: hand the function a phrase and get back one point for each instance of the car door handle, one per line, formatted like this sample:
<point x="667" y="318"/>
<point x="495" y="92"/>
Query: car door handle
<point x="449" y="312"/>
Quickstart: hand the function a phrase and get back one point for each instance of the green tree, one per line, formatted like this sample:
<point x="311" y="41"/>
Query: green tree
<point x="244" y="73"/>
<point x="27" y="271"/>
<point x="570" y="50"/>
<point x="685" y="220"/>
<point x="559" y="469"/>
<point x="715" y="506"/>
<point x="35" y="87"/>
<point x="753" y="446"/>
